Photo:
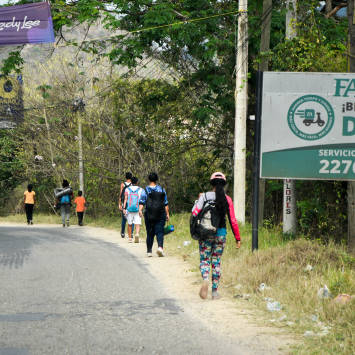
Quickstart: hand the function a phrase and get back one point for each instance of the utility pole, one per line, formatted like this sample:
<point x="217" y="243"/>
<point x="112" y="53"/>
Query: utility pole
<point x="81" y="162"/>
<point x="78" y="106"/>
<point x="351" y="184"/>
<point x="44" y="89"/>
<point x="290" y="187"/>
<point x="264" y="66"/>
<point x="291" y="17"/>
<point x="241" y="98"/>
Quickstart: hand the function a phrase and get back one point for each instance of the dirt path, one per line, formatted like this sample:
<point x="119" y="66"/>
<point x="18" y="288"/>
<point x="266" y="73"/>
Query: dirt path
<point x="223" y="316"/>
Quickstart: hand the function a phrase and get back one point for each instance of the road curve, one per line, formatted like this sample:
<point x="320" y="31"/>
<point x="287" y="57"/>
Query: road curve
<point x="63" y="292"/>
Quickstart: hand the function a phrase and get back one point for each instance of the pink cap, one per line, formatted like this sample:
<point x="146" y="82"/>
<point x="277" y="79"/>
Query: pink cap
<point x="218" y="175"/>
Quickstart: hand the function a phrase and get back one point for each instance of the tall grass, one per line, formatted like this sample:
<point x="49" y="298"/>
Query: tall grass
<point x="280" y="263"/>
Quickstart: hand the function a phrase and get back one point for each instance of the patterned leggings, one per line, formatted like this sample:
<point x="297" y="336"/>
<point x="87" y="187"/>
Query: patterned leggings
<point x="212" y="249"/>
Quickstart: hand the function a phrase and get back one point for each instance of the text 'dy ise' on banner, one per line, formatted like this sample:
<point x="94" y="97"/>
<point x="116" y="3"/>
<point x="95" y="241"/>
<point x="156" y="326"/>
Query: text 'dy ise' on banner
<point x="308" y="126"/>
<point x="29" y="23"/>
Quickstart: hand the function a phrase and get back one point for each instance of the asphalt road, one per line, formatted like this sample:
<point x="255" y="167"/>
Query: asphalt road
<point x="62" y="292"/>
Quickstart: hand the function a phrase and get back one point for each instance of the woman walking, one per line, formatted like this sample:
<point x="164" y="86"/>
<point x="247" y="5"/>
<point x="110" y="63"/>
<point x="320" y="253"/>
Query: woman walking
<point x="156" y="213"/>
<point x="29" y="203"/>
<point x="212" y="249"/>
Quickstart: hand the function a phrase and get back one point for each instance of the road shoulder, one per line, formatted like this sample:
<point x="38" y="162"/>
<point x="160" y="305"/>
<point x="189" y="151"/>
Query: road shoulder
<point x="223" y="316"/>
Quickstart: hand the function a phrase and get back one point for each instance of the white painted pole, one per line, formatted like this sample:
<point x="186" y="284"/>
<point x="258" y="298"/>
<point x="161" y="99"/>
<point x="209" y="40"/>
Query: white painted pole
<point x="81" y="162"/>
<point x="291" y="18"/>
<point x="290" y="187"/>
<point x="290" y="207"/>
<point x="241" y="113"/>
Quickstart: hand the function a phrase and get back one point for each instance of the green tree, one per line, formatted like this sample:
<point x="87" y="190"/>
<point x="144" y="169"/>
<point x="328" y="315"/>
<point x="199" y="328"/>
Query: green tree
<point x="11" y="170"/>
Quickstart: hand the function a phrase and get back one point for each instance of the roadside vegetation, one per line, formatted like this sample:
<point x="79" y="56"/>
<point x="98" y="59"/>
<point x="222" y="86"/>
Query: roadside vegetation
<point x="281" y="263"/>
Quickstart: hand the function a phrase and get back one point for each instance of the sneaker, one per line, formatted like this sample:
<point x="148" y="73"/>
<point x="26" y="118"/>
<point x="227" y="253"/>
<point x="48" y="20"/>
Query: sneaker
<point x="149" y="254"/>
<point x="204" y="289"/>
<point x="63" y="225"/>
<point x="136" y="238"/>
<point x="31" y="223"/>
<point x="130" y="240"/>
<point x="215" y="295"/>
<point x="160" y="251"/>
<point x="68" y="224"/>
<point x="122" y="235"/>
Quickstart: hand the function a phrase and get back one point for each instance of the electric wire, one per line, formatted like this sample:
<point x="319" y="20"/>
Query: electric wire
<point x="103" y="92"/>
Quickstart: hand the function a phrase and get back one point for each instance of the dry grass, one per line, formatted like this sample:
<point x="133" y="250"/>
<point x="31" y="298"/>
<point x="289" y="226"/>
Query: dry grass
<point x="280" y="264"/>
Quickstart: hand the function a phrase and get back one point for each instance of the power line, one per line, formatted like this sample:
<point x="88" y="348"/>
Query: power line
<point x="149" y="29"/>
<point x="156" y="66"/>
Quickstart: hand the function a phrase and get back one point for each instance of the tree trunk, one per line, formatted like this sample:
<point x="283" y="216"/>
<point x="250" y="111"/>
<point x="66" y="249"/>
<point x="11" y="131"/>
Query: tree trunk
<point x="328" y="6"/>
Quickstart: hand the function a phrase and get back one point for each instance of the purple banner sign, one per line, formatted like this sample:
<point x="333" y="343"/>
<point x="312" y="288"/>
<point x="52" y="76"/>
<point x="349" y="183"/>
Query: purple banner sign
<point x="29" y="23"/>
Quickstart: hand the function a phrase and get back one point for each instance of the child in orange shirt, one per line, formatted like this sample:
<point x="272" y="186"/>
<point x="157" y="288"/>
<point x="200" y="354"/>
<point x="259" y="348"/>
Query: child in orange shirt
<point x="80" y="207"/>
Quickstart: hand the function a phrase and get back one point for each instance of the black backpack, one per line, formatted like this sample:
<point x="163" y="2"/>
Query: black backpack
<point x="123" y="192"/>
<point x="155" y="205"/>
<point x="205" y="224"/>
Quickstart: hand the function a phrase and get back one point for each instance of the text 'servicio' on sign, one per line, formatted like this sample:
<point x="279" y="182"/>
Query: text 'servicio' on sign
<point x="29" y="23"/>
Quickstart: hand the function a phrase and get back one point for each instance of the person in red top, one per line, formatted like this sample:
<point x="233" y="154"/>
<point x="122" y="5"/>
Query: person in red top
<point x="80" y="207"/>
<point x="211" y="249"/>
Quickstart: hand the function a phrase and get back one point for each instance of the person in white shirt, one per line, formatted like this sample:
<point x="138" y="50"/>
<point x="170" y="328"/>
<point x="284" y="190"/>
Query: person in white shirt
<point x="131" y="209"/>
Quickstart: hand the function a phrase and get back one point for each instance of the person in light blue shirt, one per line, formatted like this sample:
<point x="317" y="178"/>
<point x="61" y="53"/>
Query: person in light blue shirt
<point x="155" y="228"/>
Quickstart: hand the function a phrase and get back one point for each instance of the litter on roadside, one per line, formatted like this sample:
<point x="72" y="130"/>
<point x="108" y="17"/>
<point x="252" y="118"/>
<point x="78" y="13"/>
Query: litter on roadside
<point x="268" y="299"/>
<point x="238" y="296"/>
<point x="314" y="318"/>
<point x="309" y="333"/>
<point x="230" y="285"/>
<point x="324" y="292"/>
<point x="343" y="298"/>
<point x="309" y="268"/>
<point x="186" y="243"/>
<point x="238" y="286"/>
<point x="263" y="287"/>
<point x="323" y="333"/>
<point x="273" y="306"/>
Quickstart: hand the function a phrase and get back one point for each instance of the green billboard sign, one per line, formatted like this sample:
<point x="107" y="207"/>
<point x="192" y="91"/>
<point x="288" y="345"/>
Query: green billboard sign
<point x="308" y="126"/>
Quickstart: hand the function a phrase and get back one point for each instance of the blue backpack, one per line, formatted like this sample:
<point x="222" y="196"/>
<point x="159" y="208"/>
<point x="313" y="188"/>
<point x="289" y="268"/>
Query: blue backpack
<point x="65" y="199"/>
<point x="133" y="200"/>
